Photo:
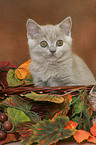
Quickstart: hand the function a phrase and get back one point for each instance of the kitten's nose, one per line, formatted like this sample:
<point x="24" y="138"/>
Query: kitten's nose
<point x="52" y="51"/>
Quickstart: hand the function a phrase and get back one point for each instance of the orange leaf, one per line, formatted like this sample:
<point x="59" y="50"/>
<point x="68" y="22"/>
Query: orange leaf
<point x="93" y="129"/>
<point x="81" y="135"/>
<point x="92" y="139"/>
<point x="71" y="125"/>
<point x="23" y="70"/>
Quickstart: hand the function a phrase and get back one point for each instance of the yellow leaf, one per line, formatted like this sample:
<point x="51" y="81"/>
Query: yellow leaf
<point x="81" y="135"/>
<point x="23" y="70"/>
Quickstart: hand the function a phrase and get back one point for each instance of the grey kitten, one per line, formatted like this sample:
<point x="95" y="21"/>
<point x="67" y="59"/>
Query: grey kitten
<point x="52" y="60"/>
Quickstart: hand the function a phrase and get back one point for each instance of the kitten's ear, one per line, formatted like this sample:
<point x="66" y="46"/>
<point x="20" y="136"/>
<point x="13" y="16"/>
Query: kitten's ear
<point x="66" y="25"/>
<point x="32" y="29"/>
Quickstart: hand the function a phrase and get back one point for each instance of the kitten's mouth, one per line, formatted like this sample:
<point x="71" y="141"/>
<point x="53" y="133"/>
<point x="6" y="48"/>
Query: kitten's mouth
<point x="53" y="56"/>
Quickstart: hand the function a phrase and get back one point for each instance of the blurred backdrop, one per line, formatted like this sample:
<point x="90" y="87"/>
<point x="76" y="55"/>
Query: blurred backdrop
<point x="14" y="14"/>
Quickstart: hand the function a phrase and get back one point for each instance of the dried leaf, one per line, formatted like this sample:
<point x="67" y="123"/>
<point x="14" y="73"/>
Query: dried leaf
<point x="23" y="70"/>
<point x="93" y="129"/>
<point x="81" y="135"/>
<point x="10" y="138"/>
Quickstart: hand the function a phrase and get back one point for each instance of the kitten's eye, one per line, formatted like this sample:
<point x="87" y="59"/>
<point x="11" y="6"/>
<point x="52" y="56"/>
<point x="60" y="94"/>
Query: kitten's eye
<point x="43" y="43"/>
<point x="59" y="43"/>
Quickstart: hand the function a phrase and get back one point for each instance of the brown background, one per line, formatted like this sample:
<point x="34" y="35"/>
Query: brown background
<point x="14" y="14"/>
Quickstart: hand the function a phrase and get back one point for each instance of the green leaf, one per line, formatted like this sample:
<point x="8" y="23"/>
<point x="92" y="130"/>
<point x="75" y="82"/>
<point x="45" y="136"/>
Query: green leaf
<point x="17" y="102"/>
<point x="28" y="79"/>
<point x="77" y="108"/>
<point x="12" y="78"/>
<point x="33" y="116"/>
<point x="17" y="116"/>
<point x="45" y="97"/>
<point x="50" y="131"/>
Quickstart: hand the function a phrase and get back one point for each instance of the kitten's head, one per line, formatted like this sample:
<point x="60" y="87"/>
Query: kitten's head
<point x="49" y="42"/>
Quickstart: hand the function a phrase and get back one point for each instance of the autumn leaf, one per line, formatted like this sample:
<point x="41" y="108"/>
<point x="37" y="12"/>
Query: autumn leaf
<point x="50" y="131"/>
<point x="4" y="67"/>
<point x="81" y="135"/>
<point x="92" y="139"/>
<point x="93" y="129"/>
<point x="21" y="105"/>
<point x="26" y="131"/>
<point x="45" y="97"/>
<point x="10" y="138"/>
<point x="18" y="103"/>
<point x="23" y="70"/>
<point x="17" y="116"/>
<point x="71" y="125"/>
<point x="12" y="78"/>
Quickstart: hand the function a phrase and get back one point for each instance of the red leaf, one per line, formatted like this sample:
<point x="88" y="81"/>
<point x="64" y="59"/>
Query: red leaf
<point x="4" y="67"/>
<point x="71" y="125"/>
<point x="93" y="129"/>
<point x="81" y="135"/>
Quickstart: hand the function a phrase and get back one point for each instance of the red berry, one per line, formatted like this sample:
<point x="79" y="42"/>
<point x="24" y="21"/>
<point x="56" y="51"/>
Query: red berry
<point x="3" y="135"/>
<point x="7" y="125"/>
<point x="3" y="117"/>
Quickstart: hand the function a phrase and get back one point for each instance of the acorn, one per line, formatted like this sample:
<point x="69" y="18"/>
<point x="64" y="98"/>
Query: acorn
<point x="7" y="125"/>
<point x="3" y="135"/>
<point x="3" y="117"/>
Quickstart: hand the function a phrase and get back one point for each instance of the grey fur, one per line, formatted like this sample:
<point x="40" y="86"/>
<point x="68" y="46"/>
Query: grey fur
<point x="61" y="68"/>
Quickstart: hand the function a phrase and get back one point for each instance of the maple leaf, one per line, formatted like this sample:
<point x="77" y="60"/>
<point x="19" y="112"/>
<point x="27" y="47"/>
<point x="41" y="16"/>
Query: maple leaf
<point x="93" y="129"/>
<point x="81" y="135"/>
<point x="23" y="70"/>
<point x="50" y="131"/>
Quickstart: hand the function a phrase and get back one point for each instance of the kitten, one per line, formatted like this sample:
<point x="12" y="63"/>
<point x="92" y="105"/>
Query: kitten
<point x="52" y="60"/>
